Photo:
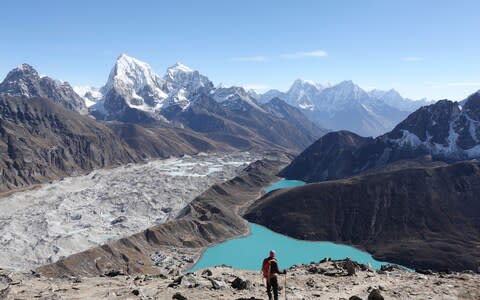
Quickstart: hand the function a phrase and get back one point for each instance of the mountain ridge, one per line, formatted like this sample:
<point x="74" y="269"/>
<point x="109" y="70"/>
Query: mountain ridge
<point x="346" y="106"/>
<point x="442" y="131"/>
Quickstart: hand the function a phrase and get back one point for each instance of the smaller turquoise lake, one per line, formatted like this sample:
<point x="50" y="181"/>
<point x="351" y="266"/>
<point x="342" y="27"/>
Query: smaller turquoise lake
<point x="247" y="253"/>
<point x="283" y="184"/>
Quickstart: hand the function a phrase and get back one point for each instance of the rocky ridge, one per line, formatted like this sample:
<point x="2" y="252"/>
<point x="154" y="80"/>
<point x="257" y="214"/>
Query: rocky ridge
<point x="320" y="280"/>
<point x="346" y="106"/>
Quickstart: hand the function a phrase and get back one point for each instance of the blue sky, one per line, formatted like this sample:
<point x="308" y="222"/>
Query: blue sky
<point x="421" y="48"/>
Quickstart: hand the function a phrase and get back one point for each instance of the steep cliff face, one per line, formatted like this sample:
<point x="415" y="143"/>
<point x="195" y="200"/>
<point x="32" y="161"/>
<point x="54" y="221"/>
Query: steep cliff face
<point x="426" y="217"/>
<point x="41" y="141"/>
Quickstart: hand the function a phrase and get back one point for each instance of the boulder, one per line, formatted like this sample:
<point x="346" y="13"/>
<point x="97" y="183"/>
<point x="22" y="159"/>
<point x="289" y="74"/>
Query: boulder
<point x="349" y="266"/>
<point x="118" y="220"/>
<point x="240" y="284"/>
<point x="178" y="296"/>
<point x="375" y="295"/>
<point x="389" y="267"/>
<point x="424" y="272"/>
<point x="114" y="273"/>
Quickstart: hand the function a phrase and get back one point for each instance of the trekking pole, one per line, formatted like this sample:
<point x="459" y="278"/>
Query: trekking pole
<point x="285" y="286"/>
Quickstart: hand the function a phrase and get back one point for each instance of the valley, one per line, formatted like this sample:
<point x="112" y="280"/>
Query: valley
<point x="163" y="149"/>
<point x="56" y="220"/>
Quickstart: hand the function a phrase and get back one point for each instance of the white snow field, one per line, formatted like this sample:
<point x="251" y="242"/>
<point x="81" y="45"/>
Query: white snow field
<point x="58" y="219"/>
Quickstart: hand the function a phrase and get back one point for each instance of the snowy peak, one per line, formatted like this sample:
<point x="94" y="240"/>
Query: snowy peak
<point x="443" y="129"/>
<point x="22" y="71"/>
<point x="303" y="93"/>
<point x="338" y="97"/>
<point x="21" y="81"/>
<point x="131" y="75"/>
<point x="180" y="76"/>
<point x="394" y="99"/>
<point x="305" y="84"/>
<point x="89" y="94"/>
<point x="132" y="83"/>
<point x="178" y="68"/>
<point x="24" y="81"/>
<point x="350" y="87"/>
<point x="235" y="98"/>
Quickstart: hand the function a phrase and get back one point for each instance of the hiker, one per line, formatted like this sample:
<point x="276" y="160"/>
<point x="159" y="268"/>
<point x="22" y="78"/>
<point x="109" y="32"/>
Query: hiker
<point x="270" y="271"/>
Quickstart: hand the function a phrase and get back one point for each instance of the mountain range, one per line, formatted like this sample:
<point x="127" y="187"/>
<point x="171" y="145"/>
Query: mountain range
<point x="346" y="106"/>
<point x="135" y="93"/>
<point x="445" y="131"/>
<point x="48" y="131"/>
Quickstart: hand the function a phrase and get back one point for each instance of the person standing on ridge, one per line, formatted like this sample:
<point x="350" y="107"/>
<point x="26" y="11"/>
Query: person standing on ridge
<point x="270" y="271"/>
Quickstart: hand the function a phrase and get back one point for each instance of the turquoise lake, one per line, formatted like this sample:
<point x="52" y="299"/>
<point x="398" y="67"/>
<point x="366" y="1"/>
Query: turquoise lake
<point x="283" y="184"/>
<point x="247" y="253"/>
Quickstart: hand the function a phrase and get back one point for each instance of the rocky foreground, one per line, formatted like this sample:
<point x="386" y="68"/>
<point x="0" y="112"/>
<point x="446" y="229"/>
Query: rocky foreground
<point x="324" y="280"/>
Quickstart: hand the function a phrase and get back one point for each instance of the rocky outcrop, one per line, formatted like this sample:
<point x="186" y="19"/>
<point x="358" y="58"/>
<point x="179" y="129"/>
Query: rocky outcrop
<point x="421" y="217"/>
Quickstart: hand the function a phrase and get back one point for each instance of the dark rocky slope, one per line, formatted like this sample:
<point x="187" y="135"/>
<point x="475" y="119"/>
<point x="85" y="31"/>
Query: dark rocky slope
<point x="212" y="217"/>
<point x="163" y="142"/>
<point x="41" y="141"/>
<point x="426" y="217"/>
<point x="241" y="122"/>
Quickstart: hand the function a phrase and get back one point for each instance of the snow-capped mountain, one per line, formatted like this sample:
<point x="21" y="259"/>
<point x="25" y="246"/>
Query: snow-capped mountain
<point x="303" y="93"/>
<point x="346" y="106"/>
<point x="90" y="95"/>
<point x="235" y="97"/>
<point x="133" y="88"/>
<point x="444" y="131"/>
<point x="136" y="84"/>
<point x="180" y="76"/>
<point x="26" y="82"/>
<point x="185" y="98"/>
<point x="182" y="83"/>
<point x="394" y="99"/>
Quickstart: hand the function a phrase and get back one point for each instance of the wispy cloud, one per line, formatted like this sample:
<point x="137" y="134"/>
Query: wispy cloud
<point x="304" y="54"/>
<point x="412" y="58"/>
<point x="257" y="87"/>
<point x="256" y="58"/>
<point x="293" y="55"/>
<point x="464" y="84"/>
